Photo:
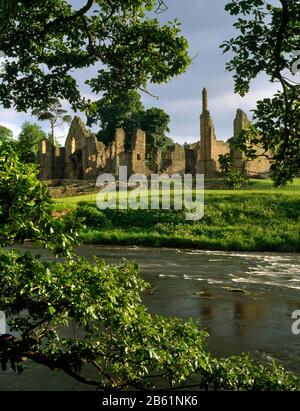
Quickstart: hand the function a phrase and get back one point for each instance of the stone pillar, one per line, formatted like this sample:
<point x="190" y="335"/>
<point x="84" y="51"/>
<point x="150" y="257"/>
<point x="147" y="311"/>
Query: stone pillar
<point x="206" y="164"/>
<point x="204" y="100"/>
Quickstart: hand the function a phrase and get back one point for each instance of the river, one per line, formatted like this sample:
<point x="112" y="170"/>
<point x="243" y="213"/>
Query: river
<point x="244" y="300"/>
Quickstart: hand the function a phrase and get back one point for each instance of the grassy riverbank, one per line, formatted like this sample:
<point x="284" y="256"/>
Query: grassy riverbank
<point x="257" y="218"/>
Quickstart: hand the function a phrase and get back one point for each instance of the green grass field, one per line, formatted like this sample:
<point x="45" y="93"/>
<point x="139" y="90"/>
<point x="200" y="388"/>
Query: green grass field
<point x="259" y="217"/>
<point x="255" y="187"/>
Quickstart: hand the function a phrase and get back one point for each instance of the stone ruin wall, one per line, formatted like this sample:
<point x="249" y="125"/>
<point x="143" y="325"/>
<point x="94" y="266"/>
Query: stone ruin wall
<point x="174" y="160"/>
<point x="137" y="155"/>
<point x="259" y="167"/>
<point x="51" y="160"/>
<point x="84" y="157"/>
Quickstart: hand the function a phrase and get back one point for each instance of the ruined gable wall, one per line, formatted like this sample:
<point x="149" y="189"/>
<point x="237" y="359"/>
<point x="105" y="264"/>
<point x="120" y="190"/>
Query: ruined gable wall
<point x="258" y="167"/>
<point x="75" y="150"/>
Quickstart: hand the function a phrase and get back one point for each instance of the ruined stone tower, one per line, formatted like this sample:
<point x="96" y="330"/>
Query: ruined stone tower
<point x="208" y="138"/>
<point x="210" y="147"/>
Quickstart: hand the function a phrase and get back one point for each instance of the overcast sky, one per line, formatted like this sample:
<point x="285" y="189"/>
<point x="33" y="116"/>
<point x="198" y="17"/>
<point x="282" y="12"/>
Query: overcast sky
<point x="205" y="24"/>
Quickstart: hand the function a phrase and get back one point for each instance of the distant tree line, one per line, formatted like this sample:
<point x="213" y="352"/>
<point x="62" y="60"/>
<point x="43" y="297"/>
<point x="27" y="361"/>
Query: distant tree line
<point x="27" y="143"/>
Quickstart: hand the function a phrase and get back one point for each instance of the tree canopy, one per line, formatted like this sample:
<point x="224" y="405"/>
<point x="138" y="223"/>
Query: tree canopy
<point x="6" y="134"/>
<point x="45" y="41"/>
<point x="126" y="111"/>
<point x="268" y="42"/>
<point x="55" y="114"/>
<point x="28" y="142"/>
<point x="121" y="111"/>
<point x="155" y="122"/>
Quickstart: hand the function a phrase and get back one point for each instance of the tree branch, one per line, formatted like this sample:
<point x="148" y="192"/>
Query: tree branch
<point x="161" y="7"/>
<point x="280" y="36"/>
<point x="16" y="351"/>
<point x="68" y="19"/>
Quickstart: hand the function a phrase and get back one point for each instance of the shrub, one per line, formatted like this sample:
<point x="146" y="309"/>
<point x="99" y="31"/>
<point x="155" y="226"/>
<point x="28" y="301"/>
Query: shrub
<point x="93" y="217"/>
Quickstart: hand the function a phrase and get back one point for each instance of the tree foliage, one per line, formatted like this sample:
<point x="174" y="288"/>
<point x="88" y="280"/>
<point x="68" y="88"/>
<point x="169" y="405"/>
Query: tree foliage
<point x="127" y="111"/>
<point x="28" y="142"/>
<point x="268" y="41"/>
<point x="236" y="177"/>
<point x="121" y="111"/>
<point x="118" y="336"/>
<point x="25" y="207"/>
<point x="6" y="135"/>
<point x="55" y="114"/>
<point x="155" y="122"/>
<point x="45" y="41"/>
<point x="120" y="339"/>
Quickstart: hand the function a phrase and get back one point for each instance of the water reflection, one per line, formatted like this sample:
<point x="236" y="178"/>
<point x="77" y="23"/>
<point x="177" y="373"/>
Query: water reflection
<point x="245" y="313"/>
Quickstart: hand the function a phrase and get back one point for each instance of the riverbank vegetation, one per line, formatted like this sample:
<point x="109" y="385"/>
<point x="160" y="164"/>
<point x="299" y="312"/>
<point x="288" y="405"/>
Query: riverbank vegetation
<point x="259" y="217"/>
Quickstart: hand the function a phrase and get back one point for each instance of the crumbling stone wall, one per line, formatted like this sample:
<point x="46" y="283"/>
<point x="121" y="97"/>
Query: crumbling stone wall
<point x="220" y="147"/>
<point x="191" y="151"/>
<point x="84" y="157"/>
<point x="51" y="160"/>
<point x="156" y="161"/>
<point x="138" y="154"/>
<point x="59" y="163"/>
<point x="45" y="159"/>
<point x="96" y="157"/>
<point x="256" y="168"/>
<point x="174" y="160"/>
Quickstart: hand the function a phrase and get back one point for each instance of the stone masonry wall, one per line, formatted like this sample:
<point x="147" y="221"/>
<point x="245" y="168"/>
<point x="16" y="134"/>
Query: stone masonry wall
<point x="174" y="161"/>
<point x="255" y="168"/>
<point x="84" y="157"/>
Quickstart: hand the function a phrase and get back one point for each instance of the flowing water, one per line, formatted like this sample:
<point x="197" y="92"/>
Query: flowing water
<point x="244" y="300"/>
